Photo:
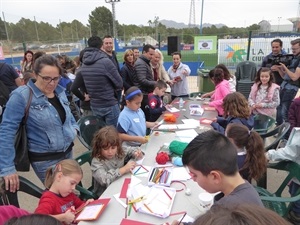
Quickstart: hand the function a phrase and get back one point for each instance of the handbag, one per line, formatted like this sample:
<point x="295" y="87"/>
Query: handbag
<point x="21" y="160"/>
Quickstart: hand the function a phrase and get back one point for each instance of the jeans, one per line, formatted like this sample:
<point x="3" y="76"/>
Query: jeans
<point x="293" y="189"/>
<point x="109" y="115"/>
<point x="286" y="98"/>
<point x="41" y="167"/>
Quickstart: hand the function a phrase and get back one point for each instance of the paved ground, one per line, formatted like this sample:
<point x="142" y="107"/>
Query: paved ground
<point x="29" y="203"/>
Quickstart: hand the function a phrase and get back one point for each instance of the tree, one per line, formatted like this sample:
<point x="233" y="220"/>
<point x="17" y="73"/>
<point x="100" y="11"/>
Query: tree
<point x="101" y="21"/>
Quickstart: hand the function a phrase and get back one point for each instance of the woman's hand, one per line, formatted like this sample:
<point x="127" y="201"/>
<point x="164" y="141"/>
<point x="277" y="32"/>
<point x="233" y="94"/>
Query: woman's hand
<point x="12" y="182"/>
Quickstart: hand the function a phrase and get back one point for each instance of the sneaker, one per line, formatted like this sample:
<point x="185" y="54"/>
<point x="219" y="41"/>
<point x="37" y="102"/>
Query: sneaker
<point x="293" y="218"/>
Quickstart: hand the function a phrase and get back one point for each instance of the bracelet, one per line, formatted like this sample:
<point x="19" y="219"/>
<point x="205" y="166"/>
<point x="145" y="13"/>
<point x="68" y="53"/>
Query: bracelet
<point x="180" y="182"/>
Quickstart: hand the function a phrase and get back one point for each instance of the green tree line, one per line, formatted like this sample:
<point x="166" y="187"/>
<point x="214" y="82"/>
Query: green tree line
<point x="100" y="23"/>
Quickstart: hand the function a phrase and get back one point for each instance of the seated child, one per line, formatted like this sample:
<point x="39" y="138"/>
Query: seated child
<point x="221" y="90"/>
<point x="264" y="95"/>
<point x="250" y="149"/>
<point x="110" y="161"/>
<point x="59" y="200"/>
<point x="290" y="152"/>
<point x="236" y="110"/>
<point x="132" y="124"/>
<point x="212" y="162"/>
<point x="155" y="102"/>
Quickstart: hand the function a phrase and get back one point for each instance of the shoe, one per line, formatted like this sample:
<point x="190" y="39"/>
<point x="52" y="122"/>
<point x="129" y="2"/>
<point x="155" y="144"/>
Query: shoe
<point x="293" y="218"/>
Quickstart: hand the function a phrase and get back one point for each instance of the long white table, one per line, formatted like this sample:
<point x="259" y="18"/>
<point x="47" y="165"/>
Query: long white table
<point x="115" y="212"/>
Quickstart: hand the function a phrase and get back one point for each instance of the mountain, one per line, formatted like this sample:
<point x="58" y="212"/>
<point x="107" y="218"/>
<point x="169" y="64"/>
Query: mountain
<point x="174" y="24"/>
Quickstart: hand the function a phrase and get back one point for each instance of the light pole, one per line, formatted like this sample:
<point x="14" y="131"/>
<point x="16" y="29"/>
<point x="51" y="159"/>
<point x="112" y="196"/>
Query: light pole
<point x="113" y="15"/>
<point x="201" y="16"/>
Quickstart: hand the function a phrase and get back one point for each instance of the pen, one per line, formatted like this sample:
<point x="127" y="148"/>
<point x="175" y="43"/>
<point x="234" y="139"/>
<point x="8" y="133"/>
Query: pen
<point x="181" y="218"/>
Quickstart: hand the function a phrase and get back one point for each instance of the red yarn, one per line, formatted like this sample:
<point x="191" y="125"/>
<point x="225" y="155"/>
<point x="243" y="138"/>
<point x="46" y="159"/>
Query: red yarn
<point x="162" y="158"/>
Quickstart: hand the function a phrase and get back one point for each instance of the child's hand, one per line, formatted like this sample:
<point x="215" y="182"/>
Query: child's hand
<point x="69" y="215"/>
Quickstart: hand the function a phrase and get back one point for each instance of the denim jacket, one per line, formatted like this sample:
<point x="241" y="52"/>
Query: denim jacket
<point x="45" y="131"/>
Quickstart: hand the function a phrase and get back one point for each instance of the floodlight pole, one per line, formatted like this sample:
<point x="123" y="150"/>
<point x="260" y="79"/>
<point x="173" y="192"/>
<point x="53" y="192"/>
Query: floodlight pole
<point x="115" y="33"/>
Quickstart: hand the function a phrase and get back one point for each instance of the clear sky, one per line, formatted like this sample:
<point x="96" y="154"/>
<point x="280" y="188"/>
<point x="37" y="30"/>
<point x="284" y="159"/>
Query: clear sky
<point x="233" y="13"/>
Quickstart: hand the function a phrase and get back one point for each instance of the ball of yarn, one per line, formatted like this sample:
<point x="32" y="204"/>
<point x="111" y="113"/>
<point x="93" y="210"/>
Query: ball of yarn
<point x="162" y="158"/>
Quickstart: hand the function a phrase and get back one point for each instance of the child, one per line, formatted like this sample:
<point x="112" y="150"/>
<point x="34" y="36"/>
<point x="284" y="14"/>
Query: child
<point x="236" y="110"/>
<point x="290" y="152"/>
<point x="221" y="90"/>
<point x="155" y="102"/>
<point x="109" y="160"/>
<point x="59" y="200"/>
<point x="264" y="95"/>
<point x="132" y="124"/>
<point x="250" y="149"/>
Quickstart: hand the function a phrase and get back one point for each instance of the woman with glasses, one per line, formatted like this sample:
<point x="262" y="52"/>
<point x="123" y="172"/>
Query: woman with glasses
<point x="51" y="128"/>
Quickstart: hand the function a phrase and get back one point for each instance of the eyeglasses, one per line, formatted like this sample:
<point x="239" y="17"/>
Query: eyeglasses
<point x="49" y="79"/>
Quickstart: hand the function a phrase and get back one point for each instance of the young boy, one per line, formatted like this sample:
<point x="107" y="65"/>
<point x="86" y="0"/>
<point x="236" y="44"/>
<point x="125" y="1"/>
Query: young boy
<point x="155" y="102"/>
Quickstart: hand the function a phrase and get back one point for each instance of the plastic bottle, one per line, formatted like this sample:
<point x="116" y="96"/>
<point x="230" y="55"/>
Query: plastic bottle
<point x="180" y="103"/>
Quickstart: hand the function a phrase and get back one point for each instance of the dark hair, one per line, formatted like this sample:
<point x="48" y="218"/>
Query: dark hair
<point x="147" y="47"/>
<point x="236" y="105"/>
<point x="226" y="72"/>
<point x="257" y="78"/>
<point x="209" y="151"/>
<point x="243" y="214"/>
<point x="95" y="42"/>
<point x="33" y="219"/>
<point x="176" y="53"/>
<point x="106" y="137"/>
<point x="66" y="166"/>
<point x="277" y="40"/>
<point x="160" y="84"/>
<point x="46" y="60"/>
<point x="218" y="76"/>
<point x="255" y="162"/>
<point x="132" y="92"/>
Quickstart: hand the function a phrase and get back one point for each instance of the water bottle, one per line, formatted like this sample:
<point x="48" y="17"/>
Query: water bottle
<point x="180" y="103"/>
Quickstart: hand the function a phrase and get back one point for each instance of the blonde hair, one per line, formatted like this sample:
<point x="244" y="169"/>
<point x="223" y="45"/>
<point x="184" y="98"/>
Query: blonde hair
<point x="66" y="166"/>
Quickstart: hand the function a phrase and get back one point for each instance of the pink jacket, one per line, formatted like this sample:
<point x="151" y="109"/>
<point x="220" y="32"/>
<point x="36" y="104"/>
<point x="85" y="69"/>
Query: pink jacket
<point x="221" y="90"/>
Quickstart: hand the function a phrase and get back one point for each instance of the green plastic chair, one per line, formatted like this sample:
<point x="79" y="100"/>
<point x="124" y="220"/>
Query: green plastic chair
<point x="86" y="193"/>
<point x="262" y="123"/>
<point x="88" y="126"/>
<point x="26" y="186"/>
<point x="275" y="201"/>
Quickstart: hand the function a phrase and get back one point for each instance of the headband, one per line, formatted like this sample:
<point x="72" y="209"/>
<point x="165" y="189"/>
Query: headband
<point x="129" y="96"/>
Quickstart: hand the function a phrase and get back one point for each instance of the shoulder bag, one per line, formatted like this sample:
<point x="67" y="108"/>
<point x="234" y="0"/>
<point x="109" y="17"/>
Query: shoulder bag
<point x="21" y="161"/>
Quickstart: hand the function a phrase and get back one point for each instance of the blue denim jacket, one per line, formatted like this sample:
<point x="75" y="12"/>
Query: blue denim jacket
<point x="45" y="131"/>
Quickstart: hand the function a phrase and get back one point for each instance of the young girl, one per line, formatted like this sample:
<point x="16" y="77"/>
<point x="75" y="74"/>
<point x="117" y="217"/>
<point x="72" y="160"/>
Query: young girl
<point x="264" y="95"/>
<point x="178" y="73"/>
<point x="110" y="161"/>
<point x="236" y="110"/>
<point x="59" y="200"/>
<point x="221" y="90"/>
<point x="250" y="149"/>
<point x="132" y="124"/>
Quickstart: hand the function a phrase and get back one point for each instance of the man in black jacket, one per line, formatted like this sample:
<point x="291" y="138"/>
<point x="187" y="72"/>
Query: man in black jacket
<point x="102" y="81"/>
<point x="144" y="77"/>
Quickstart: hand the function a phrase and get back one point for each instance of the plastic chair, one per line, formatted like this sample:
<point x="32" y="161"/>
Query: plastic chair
<point x="88" y="125"/>
<point x="26" y="186"/>
<point x="85" y="193"/>
<point x="262" y="123"/>
<point x="275" y="201"/>
<point x="280" y="132"/>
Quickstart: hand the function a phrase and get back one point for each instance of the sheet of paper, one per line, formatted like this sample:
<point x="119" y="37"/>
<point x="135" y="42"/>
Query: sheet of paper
<point x="186" y="135"/>
<point x="180" y="173"/>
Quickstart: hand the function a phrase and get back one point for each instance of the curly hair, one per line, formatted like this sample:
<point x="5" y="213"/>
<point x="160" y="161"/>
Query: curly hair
<point x="255" y="162"/>
<point x="236" y="105"/>
<point x="105" y="138"/>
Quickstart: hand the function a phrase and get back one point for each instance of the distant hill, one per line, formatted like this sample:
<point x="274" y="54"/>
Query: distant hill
<point x="174" y="24"/>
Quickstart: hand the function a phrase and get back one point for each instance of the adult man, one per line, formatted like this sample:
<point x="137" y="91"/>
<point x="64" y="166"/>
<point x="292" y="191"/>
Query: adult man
<point x="107" y="47"/>
<point x="143" y="78"/>
<point x="290" y="84"/>
<point x="136" y="52"/>
<point x="102" y="82"/>
<point x="276" y="45"/>
<point x="9" y="76"/>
